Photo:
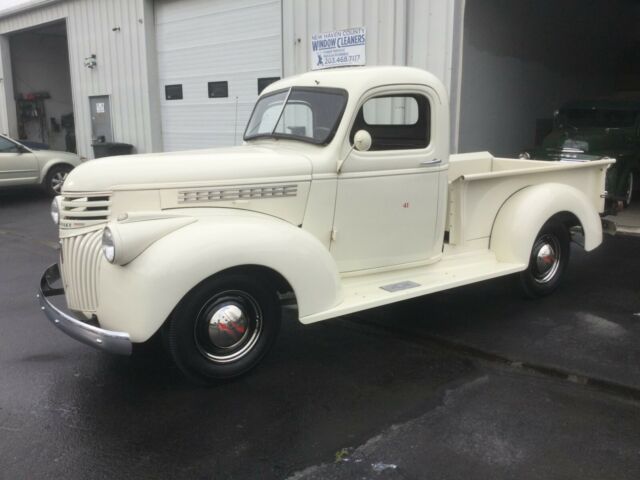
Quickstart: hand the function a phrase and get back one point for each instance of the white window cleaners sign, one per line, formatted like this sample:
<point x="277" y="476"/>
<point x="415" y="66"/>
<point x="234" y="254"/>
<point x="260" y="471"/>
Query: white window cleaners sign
<point x="341" y="48"/>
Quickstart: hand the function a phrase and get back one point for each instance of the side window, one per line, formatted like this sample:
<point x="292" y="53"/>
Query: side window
<point x="395" y="122"/>
<point x="7" y="146"/>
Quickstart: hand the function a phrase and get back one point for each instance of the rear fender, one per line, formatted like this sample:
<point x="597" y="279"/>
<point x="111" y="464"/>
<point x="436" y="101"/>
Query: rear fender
<point x="524" y="213"/>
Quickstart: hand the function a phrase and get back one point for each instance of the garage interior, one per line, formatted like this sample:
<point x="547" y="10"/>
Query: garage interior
<point x="522" y="60"/>
<point x="42" y="86"/>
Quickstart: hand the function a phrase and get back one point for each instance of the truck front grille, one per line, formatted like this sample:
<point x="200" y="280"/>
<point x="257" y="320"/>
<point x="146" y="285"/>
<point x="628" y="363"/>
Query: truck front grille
<point x="84" y="209"/>
<point x="80" y="263"/>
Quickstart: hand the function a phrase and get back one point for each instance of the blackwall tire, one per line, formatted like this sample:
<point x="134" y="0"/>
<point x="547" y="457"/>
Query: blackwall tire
<point x="55" y="179"/>
<point x="223" y="328"/>
<point x="547" y="262"/>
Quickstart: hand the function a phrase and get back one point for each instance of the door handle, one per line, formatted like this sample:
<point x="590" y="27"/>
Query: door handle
<point x="431" y="161"/>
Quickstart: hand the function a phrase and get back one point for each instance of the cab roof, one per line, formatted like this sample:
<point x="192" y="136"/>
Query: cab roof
<point x="358" y="80"/>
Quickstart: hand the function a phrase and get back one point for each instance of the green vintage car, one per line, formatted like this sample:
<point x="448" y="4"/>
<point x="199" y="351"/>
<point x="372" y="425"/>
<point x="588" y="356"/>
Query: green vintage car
<point x="592" y="129"/>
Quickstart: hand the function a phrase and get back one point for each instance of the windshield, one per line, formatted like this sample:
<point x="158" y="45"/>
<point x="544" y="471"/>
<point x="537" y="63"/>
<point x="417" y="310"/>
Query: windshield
<point x="307" y="114"/>
<point x="591" y="118"/>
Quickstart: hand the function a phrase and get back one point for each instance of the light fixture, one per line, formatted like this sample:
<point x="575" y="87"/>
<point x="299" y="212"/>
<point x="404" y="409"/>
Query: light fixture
<point x="90" y="62"/>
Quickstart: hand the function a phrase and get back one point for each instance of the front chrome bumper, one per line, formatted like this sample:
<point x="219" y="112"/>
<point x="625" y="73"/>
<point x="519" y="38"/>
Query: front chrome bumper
<point x="113" y="342"/>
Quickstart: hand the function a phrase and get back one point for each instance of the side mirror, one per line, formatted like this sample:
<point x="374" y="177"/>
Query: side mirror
<point x="23" y="149"/>
<point x="362" y="141"/>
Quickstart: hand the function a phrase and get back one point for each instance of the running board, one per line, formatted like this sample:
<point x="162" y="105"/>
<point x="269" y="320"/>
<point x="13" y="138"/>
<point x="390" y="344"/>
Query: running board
<point x="375" y="290"/>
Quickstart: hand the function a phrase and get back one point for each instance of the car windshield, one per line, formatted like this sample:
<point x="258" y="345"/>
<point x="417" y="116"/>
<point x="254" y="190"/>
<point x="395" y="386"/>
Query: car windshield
<point x="307" y="114"/>
<point x="597" y="118"/>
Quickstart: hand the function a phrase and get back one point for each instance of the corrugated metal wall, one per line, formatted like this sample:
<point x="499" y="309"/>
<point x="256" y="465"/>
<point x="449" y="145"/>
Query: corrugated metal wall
<point x="418" y="33"/>
<point x="421" y="33"/>
<point x="122" y="70"/>
<point x="399" y="32"/>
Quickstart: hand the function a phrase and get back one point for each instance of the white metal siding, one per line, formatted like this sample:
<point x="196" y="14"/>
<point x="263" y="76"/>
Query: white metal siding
<point x="207" y="40"/>
<point x="201" y="41"/>
<point x="417" y="33"/>
<point x="122" y="65"/>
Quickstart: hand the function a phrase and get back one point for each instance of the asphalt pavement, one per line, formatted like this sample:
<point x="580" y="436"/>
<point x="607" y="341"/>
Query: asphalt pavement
<point x="589" y="328"/>
<point x="628" y="221"/>
<point x="472" y="383"/>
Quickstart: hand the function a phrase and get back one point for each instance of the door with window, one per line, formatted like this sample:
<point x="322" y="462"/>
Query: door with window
<point x="387" y="208"/>
<point x="17" y="165"/>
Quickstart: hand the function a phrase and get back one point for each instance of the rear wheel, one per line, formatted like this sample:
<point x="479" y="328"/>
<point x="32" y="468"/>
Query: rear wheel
<point x="55" y="179"/>
<point x="223" y="328"/>
<point x="548" y="260"/>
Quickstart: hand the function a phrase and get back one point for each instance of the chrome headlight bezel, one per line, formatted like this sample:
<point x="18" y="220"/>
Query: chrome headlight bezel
<point x="54" y="210"/>
<point x="108" y="245"/>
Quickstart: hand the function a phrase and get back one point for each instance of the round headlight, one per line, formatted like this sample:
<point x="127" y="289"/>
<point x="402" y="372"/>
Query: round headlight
<point x="525" y="156"/>
<point x="55" y="211"/>
<point x="108" y="245"/>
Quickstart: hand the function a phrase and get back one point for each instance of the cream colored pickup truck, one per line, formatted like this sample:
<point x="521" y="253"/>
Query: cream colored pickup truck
<point x="343" y="197"/>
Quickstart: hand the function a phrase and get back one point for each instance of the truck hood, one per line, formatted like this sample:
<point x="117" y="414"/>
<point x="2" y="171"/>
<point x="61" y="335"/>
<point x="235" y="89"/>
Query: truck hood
<point x="246" y="164"/>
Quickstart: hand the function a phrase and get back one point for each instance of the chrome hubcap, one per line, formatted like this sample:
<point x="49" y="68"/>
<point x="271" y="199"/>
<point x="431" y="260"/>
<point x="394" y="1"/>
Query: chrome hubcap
<point x="228" y="326"/>
<point x="547" y="258"/>
<point x="58" y="180"/>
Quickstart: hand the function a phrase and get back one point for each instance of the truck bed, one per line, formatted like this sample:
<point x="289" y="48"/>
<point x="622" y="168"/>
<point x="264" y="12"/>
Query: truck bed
<point x="480" y="183"/>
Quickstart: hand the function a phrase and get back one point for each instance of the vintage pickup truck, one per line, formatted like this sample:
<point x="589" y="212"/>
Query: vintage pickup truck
<point x="343" y="197"/>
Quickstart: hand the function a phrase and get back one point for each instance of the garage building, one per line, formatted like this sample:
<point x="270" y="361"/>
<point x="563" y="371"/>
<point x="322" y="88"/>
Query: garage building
<point x="167" y="75"/>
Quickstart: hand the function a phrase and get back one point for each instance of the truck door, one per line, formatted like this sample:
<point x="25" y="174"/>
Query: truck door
<point x="16" y="166"/>
<point x="389" y="204"/>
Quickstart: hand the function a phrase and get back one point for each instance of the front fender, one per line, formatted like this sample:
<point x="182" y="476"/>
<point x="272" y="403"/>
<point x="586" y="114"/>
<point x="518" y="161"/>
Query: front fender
<point x="523" y="215"/>
<point x="138" y="297"/>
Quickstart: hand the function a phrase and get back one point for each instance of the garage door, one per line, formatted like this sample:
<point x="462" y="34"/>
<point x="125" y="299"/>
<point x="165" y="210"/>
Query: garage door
<point x="213" y="56"/>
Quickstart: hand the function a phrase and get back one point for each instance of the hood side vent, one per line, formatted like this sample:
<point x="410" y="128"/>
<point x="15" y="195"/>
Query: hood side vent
<point x="237" y="193"/>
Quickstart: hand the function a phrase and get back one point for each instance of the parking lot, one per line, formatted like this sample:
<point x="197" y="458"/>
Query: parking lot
<point x="470" y="383"/>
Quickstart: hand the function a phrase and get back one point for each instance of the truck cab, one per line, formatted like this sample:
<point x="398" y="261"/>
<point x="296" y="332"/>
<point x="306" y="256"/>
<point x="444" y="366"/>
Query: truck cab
<point x="384" y="202"/>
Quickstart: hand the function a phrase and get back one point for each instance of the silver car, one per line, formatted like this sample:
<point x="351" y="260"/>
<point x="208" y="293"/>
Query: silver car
<point x="20" y="165"/>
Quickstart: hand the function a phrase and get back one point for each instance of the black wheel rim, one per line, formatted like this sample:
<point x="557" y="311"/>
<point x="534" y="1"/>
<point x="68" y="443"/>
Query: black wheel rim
<point x="228" y="326"/>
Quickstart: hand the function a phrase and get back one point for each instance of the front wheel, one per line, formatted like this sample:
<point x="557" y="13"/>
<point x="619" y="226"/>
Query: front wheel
<point x="223" y="328"/>
<point x="548" y="260"/>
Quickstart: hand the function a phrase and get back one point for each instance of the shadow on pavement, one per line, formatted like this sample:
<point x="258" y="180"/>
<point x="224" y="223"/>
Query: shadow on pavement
<point x="590" y="326"/>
